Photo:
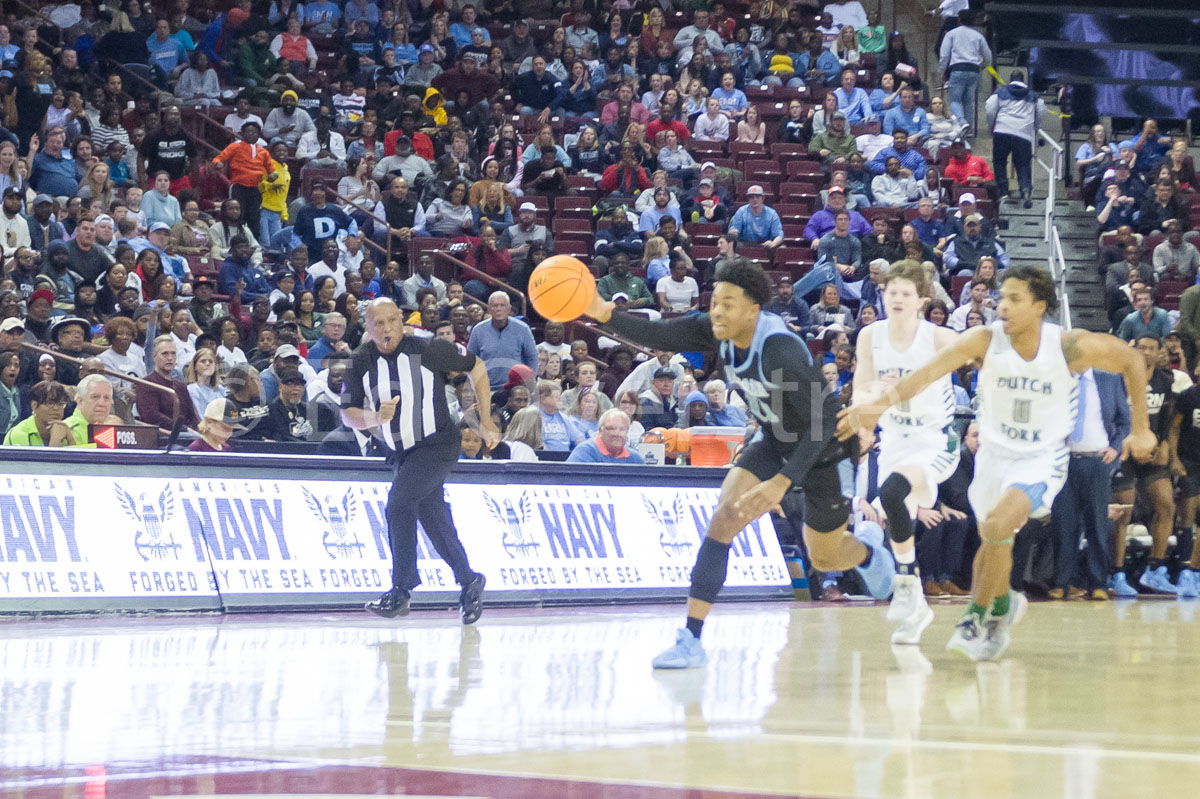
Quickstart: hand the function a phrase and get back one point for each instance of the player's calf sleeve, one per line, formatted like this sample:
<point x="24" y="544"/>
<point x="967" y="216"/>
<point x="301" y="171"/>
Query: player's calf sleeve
<point x="708" y="575"/>
<point x="892" y="495"/>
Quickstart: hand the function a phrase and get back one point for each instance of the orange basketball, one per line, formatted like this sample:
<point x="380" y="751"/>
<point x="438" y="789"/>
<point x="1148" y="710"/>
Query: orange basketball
<point x="561" y="288"/>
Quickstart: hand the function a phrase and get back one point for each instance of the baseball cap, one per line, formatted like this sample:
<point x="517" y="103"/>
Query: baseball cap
<point x="476" y="30"/>
<point x="974" y="218"/>
<point x="105" y="219"/>
<point x="517" y="375"/>
<point x="68" y="321"/>
<point x="157" y="226"/>
<point x="6" y="73"/>
<point x="664" y="372"/>
<point x="425" y="48"/>
<point x="520" y="22"/>
<point x="707" y="165"/>
<point x="203" y="280"/>
<point x="528" y="207"/>
<point x="10" y="324"/>
<point x="291" y="377"/>
<point x="839" y="114"/>
<point x="706" y="182"/>
<point x="835" y="190"/>
<point x="966" y="197"/>
<point x="12" y="190"/>
<point x="287" y="351"/>
<point x="755" y="189"/>
<point x="620" y="295"/>
<point x="1121" y="165"/>
<point x="224" y="411"/>
<point x="1109" y="173"/>
<point x="42" y="198"/>
<point x="783" y="279"/>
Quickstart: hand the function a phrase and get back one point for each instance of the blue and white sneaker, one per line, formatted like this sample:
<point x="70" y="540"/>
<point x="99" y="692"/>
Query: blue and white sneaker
<point x="1120" y="587"/>
<point x="999" y="627"/>
<point x="1189" y="585"/>
<point x="686" y="654"/>
<point x="881" y="572"/>
<point x="968" y="638"/>
<point x="1157" y="580"/>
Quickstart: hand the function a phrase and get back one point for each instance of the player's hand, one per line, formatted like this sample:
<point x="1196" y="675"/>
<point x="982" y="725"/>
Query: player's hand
<point x="601" y="310"/>
<point x="387" y="410"/>
<point x="1141" y="445"/>
<point x="1162" y="455"/>
<point x="952" y="514"/>
<point x="868" y="512"/>
<point x="929" y="517"/>
<point x="1108" y="455"/>
<point x="762" y="498"/>
<point x="490" y="433"/>
<point x="859" y="416"/>
<point x="1177" y="468"/>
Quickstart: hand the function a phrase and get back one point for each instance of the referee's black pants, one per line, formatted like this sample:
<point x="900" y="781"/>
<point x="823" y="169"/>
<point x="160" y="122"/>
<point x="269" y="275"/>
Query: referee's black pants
<point x="418" y="494"/>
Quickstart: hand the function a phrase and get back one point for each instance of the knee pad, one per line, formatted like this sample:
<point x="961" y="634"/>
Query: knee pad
<point x="826" y="515"/>
<point x="893" y="495"/>
<point x="708" y="575"/>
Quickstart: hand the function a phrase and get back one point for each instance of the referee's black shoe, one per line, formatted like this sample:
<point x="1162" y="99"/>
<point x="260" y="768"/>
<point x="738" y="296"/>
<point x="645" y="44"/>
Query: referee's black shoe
<point x="471" y="599"/>
<point x="392" y="604"/>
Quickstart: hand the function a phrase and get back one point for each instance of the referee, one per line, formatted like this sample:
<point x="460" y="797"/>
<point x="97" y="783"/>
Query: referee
<point x="396" y="385"/>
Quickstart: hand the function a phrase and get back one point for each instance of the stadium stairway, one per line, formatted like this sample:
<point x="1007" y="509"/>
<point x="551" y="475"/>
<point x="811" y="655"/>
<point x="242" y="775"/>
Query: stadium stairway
<point x="1022" y="233"/>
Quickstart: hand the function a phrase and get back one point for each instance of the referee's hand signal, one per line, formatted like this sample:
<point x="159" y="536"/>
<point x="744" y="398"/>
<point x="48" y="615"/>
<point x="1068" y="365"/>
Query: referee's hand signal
<point x="387" y="410"/>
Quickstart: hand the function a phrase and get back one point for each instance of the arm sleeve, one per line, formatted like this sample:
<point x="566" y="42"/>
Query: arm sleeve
<point x="681" y="334"/>
<point x="442" y="356"/>
<point x="786" y="361"/>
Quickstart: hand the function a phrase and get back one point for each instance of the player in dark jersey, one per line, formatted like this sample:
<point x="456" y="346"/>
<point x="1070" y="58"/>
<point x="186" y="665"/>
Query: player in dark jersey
<point x="1151" y="477"/>
<point x="797" y="418"/>
<point x="1185" y="464"/>
<point x="396" y="388"/>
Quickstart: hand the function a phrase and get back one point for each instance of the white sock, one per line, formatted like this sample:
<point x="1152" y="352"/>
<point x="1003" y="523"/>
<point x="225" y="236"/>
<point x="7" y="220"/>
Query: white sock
<point x="906" y="557"/>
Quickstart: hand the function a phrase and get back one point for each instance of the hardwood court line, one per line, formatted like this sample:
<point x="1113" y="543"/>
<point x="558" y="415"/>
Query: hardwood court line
<point x="890" y="742"/>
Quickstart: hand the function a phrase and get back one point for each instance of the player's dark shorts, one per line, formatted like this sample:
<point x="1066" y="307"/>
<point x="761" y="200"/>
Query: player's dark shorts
<point x="1189" y="484"/>
<point x="825" y="509"/>
<point x="1133" y="473"/>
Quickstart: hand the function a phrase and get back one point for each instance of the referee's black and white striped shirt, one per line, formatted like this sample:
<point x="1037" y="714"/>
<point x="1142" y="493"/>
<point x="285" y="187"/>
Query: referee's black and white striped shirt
<point x="416" y="373"/>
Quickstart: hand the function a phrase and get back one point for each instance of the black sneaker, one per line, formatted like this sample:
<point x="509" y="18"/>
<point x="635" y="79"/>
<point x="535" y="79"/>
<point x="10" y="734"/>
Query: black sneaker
<point x="392" y="604"/>
<point x="470" y="599"/>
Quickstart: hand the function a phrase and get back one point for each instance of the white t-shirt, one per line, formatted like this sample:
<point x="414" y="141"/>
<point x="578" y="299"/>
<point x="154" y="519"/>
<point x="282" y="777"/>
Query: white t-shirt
<point x="564" y="349"/>
<point x="680" y="295"/>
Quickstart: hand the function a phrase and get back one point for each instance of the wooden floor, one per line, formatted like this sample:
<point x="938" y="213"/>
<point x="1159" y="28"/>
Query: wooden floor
<point x="1094" y="700"/>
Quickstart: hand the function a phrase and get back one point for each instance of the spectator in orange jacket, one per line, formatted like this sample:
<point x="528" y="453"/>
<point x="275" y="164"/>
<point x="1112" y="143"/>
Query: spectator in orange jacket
<point x="248" y="164"/>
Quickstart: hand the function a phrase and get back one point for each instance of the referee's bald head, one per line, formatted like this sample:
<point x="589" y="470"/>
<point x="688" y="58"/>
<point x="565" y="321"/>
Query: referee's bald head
<point x="380" y="302"/>
<point x="385" y="324"/>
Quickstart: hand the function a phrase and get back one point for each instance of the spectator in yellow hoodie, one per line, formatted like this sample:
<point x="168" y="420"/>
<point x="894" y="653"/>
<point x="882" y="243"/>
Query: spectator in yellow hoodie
<point x="274" y="214"/>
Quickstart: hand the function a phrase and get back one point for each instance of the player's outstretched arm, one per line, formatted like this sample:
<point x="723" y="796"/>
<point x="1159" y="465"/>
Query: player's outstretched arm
<point x="483" y="397"/>
<point x="1086" y="350"/>
<point x="970" y="346"/>
<point x="690" y="333"/>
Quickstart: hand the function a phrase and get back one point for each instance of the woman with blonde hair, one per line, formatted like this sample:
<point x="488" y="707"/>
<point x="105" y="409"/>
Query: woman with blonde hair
<point x="492" y="209"/>
<point x="203" y="380"/>
<point x="97" y="185"/>
<point x="524" y="434"/>
<point x="9" y="174"/>
<point x="845" y="46"/>
<point x="752" y="130"/>
<point x="654" y="258"/>
<point x="586" y="413"/>
<point x="984" y="270"/>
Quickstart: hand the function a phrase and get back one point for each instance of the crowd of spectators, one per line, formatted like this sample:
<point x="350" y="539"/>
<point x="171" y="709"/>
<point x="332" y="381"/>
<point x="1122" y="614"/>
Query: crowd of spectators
<point x="208" y="198"/>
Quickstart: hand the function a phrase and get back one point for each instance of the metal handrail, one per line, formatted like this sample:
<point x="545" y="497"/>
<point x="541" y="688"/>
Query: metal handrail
<point x="486" y="278"/>
<point x="1056" y="260"/>
<point x="1058" y="264"/>
<point x="128" y="378"/>
<point x="1053" y="175"/>
<point x="386" y="251"/>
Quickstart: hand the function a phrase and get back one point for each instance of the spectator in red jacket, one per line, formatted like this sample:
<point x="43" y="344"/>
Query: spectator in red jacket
<point x="627" y="176"/>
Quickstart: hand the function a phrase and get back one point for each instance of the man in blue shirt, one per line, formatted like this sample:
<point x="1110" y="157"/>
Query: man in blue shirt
<point x="911" y="160"/>
<point x="818" y="62"/>
<point x="930" y="229"/>
<point x="907" y="116"/>
<point x="609" y="446"/>
<point x="53" y="171"/>
<point x="238" y="275"/>
<point x="166" y="53"/>
<point x="319" y="221"/>
<point x="648" y="221"/>
<point x="852" y="100"/>
<point x="1146" y="321"/>
<point x="502" y="342"/>
<point x="559" y="433"/>
<point x="461" y="31"/>
<point x="323" y="16"/>
<point x="756" y="223"/>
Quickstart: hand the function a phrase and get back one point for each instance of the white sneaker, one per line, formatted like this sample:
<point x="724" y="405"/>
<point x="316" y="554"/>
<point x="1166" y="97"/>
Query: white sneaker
<point x="968" y="638"/>
<point x="905" y="591"/>
<point x="910" y="629"/>
<point x="999" y="629"/>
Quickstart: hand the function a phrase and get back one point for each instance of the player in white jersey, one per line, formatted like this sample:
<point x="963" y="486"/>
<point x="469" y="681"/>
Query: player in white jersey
<point x="918" y="449"/>
<point x="1027" y="387"/>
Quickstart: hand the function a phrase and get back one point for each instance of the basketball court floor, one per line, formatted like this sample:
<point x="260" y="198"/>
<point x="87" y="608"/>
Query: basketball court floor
<point x="798" y="700"/>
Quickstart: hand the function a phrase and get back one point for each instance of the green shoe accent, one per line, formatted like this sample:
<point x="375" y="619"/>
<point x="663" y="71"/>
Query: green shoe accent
<point x="1000" y="605"/>
<point x="975" y="610"/>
